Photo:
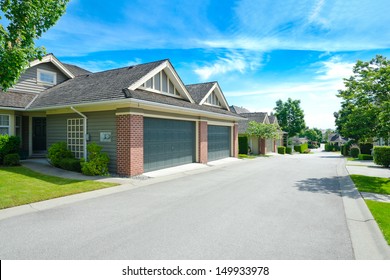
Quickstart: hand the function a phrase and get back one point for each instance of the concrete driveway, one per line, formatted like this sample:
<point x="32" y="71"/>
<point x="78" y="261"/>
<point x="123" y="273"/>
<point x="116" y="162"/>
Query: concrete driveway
<point x="282" y="207"/>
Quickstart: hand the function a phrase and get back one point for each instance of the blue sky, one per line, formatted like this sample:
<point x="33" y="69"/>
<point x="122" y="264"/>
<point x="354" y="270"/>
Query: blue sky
<point x="258" y="50"/>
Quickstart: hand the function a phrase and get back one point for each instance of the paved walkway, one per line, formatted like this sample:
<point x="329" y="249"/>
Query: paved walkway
<point x="369" y="168"/>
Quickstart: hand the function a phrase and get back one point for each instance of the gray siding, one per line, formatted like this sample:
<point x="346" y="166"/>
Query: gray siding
<point x="104" y="121"/>
<point x="28" y="80"/>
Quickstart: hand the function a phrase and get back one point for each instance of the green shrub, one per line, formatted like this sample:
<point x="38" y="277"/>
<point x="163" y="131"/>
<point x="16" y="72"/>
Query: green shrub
<point x="97" y="163"/>
<point x="329" y="147"/>
<point x="382" y="155"/>
<point x="57" y="152"/>
<point x="8" y="145"/>
<point x="366" y="148"/>
<point x="11" y="160"/>
<point x="289" y="150"/>
<point x="354" y="151"/>
<point x="71" y="164"/>
<point x="281" y="150"/>
<point x="301" y="148"/>
<point x="243" y="145"/>
<point x="307" y="151"/>
<point x="365" y="157"/>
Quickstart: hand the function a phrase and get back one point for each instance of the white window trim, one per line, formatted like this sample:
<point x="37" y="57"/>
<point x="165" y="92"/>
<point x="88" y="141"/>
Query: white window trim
<point x="9" y="123"/>
<point x="143" y="86"/>
<point x="39" y="71"/>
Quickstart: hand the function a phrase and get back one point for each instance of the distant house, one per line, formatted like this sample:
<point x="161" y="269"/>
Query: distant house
<point x="337" y="139"/>
<point x="143" y="115"/>
<point x="238" y="110"/>
<point x="256" y="145"/>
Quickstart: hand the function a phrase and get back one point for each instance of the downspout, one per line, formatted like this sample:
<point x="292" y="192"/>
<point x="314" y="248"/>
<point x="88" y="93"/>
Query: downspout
<point x="85" y="131"/>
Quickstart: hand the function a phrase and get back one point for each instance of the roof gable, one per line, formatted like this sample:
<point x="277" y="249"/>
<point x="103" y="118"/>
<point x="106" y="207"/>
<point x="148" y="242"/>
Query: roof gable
<point x="257" y="117"/>
<point x="238" y="110"/>
<point x="208" y="94"/>
<point x="51" y="58"/>
<point x="163" y="68"/>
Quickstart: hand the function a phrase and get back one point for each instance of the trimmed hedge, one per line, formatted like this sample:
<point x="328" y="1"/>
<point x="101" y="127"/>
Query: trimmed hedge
<point x="71" y="164"/>
<point x="355" y="151"/>
<point x="8" y="145"/>
<point x="289" y="150"/>
<point x="243" y="145"/>
<point x="57" y="152"/>
<point x="365" y="157"/>
<point x="97" y="163"/>
<point x="301" y="148"/>
<point x="11" y="160"/>
<point x="329" y="147"/>
<point x="366" y="148"/>
<point x="281" y="150"/>
<point x="382" y="155"/>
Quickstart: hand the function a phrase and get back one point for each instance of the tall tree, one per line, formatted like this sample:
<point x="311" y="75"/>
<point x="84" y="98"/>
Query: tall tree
<point x="313" y="134"/>
<point x="365" y="105"/>
<point x="27" y="20"/>
<point x="290" y="116"/>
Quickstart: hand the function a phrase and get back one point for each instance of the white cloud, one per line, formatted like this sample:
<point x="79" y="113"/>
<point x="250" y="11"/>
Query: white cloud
<point x="335" y="69"/>
<point x="101" y="65"/>
<point x="231" y="62"/>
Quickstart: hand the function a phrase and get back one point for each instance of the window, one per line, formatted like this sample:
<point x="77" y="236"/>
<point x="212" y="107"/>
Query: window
<point x="75" y="137"/>
<point x="4" y="124"/>
<point x="213" y="100"/>
<point x="162" y="84"/>
<point x="18" y="126"/>
<point x="46" y="77"/>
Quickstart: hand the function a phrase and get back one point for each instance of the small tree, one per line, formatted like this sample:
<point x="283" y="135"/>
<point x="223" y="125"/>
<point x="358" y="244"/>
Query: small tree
<point x="263" y="130"/>
<point x="290" y="116"/>
<point x="28" y="20"/>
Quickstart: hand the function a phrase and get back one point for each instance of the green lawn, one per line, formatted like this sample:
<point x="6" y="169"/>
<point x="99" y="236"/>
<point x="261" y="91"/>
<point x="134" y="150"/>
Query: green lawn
<point x="371" y="184"/>
<point x="381" y="213"/>
<point x="20" y="185"/>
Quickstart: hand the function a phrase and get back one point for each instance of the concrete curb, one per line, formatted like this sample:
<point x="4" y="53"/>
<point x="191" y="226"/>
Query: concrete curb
<point x="367" y="239"/>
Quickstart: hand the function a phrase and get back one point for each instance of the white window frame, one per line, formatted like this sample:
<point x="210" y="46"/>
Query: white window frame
<point x="213" y="98"/>
<point x="75" y="136"/>
<point x="41" y="71"/>
<point x="175" y="93"/>
<point x="6" y="126"/>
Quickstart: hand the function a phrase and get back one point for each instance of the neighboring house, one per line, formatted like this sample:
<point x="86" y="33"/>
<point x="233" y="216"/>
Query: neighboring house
<point x="337" y="139"/>
<point x="257" y="145"/>
<point x="238" y="110"/>
<point x="143" y="116"/>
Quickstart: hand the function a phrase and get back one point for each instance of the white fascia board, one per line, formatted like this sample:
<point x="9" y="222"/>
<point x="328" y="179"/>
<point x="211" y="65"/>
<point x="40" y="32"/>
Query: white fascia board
<point x="172" y="75"/>
<point x="219" y="94"/>
<point x="51" y="58"/>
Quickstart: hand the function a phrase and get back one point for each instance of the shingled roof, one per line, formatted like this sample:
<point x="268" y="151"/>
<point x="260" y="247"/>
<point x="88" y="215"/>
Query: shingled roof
<point x="15" y="99"/>
<point x="76" y="70"/>
<point x="257" y="117"/>
<point x="199" y="91"/>
<point x="238" y="110"/>
<point x="94" y="87"/>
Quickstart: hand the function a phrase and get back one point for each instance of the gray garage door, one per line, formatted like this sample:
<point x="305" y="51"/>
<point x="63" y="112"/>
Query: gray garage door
<point x="218" y="138"/>
<point x="168" y="143"/>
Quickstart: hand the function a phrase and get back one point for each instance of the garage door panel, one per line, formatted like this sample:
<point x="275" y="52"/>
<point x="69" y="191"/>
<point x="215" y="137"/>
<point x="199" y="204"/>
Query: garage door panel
<point x="168" y="143"/>
<point x="218" y="142"/>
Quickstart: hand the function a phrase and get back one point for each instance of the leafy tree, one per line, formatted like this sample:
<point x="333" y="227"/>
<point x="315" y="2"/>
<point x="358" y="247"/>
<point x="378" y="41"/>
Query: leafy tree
<point x="327" y="134"/>
<point x="313" y="134"/>
<point x="262" y="130"/>
<point x="290" y="116"/>
<point x="365" y="106"/>
<point x="27" y="21"/>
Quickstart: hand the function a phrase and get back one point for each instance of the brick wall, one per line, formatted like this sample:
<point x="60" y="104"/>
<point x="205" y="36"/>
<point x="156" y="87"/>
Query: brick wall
<point x="235" y="140"/>
<point x="202" y="142"/>
<point x="130" y="145"/>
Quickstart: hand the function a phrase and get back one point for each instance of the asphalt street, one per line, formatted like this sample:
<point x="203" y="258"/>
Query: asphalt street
<point x="281" y="207"/>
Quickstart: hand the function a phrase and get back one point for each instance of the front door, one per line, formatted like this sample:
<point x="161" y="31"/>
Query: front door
<point x="39" y="134"/>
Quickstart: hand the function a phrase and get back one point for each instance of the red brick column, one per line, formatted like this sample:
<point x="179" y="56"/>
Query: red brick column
<point x="235" y="140"/>
<point x="202" y="142"/>
<point x="130" y="144"/>
<point x="262" y="146"/>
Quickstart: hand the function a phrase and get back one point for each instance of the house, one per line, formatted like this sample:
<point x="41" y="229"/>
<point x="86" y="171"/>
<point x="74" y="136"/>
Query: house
<point x="256" y="145"/>
<point x="337" y="139"/>
<point x="143" y="116"/>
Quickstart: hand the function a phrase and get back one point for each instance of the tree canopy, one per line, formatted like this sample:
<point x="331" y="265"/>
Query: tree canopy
<point x="262" y="130"/>
<point x="27" y="20"/>
<point x="313" y="134"/>
<point x="290" y="116"/>
<point x="365" y="105"/>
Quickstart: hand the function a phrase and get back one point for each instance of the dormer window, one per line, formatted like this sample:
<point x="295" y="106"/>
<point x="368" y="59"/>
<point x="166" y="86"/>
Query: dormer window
<point x="46" y="77"/>
<point x="213" y="100"/>
<point x="162" y="84"/>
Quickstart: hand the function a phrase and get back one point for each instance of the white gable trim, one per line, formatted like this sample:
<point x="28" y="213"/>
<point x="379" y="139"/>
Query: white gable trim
<point x="172" y="75"/>
<point x="51" y="58"/>
<point x="219" y="94"/>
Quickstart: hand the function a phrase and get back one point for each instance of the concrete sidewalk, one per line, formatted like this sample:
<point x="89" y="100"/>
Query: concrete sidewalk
<point x="367" y="168"/>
